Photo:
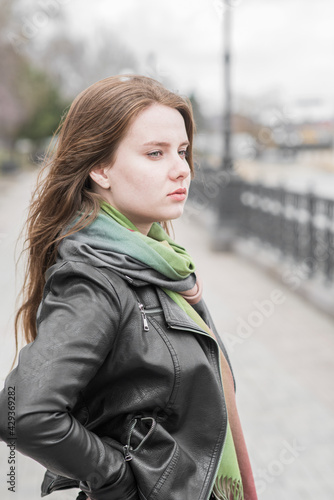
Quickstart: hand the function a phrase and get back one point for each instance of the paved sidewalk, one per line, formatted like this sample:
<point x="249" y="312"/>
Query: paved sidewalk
<point x="281" y="349"/>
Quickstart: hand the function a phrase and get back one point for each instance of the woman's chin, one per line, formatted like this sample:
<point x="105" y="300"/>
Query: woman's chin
<point x="176" y="213"/>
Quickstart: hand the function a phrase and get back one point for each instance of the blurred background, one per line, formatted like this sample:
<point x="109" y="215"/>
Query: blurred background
<point x="260" y="216"/>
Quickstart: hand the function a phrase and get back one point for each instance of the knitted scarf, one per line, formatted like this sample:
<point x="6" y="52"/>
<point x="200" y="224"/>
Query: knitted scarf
<point x="234" y="480"/>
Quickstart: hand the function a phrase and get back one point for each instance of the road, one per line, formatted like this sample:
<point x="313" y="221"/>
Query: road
<point x="281" y="349"/>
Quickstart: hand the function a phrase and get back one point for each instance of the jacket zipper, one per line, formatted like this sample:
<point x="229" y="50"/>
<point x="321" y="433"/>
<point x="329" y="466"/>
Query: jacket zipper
<point x="221" y="382"/>
<point x="143" y="315"/>
<point x="142" y="312"/>
<point x="126" y="448"/>
<point x="127" y="455"/>
<point x="153" y="424"/>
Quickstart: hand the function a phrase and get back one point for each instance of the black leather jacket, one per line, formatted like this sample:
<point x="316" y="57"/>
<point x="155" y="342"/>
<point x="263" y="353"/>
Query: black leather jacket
<point x="120" y="394"/>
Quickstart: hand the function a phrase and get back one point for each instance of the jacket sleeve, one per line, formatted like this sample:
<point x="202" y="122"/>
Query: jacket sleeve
<point x="78" y="321"/>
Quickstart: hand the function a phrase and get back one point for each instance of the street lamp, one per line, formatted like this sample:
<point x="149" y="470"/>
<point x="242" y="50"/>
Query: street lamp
<point x="228" y="206"/>
<point x="227" y="158"/>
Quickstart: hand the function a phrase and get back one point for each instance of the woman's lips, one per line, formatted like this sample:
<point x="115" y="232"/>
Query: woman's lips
<point x="179" y="194"/>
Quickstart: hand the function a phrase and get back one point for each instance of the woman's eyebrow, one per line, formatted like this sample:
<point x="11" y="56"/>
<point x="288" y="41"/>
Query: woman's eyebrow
<point x="163" y="144"/>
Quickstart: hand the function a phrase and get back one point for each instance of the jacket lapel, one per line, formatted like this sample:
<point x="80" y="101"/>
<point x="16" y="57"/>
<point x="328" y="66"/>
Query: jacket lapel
<point x="175" y="317"/>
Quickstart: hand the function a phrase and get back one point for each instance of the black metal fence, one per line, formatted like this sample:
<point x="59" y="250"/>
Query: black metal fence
<point x="298" y="225"/>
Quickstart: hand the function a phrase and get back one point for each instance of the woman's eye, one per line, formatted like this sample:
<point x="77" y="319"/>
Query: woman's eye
<point x="155" y="154"/>
<point x="183" y="153"/>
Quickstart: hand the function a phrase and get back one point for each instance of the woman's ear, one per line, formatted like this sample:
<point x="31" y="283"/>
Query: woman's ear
<point x="100" y="177"/>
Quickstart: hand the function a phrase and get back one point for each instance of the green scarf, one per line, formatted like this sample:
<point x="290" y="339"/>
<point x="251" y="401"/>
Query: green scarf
<point x="175" y="262"/>
<point x="156" y="250"/>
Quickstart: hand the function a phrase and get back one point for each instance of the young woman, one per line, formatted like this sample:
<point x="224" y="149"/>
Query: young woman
<point x="124" y="388"/>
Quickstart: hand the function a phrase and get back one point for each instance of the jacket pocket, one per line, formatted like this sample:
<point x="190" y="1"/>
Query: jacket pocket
<point x="153" y="453"/>
<point x="141" y="429"/>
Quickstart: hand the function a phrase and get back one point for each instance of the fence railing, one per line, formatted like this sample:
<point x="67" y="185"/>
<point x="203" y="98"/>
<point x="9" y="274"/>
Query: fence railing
<point x="299" y="225"/>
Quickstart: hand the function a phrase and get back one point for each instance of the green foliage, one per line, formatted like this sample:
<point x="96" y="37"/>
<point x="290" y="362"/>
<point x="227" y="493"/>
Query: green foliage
<point x="44" y="102"/>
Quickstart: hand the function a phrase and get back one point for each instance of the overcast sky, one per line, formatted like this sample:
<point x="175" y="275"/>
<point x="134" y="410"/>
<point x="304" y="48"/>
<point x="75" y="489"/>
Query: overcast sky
<point x="284" y="46"/>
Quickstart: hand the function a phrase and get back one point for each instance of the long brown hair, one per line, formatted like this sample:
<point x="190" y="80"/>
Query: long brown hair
<point x="96" y="123"/>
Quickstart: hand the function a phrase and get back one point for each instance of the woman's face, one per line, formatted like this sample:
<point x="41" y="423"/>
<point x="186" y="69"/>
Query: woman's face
<point x="149" y="179"/>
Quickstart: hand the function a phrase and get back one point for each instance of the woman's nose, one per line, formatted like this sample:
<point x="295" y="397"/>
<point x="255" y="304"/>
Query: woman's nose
<point x="180" y="168"/>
